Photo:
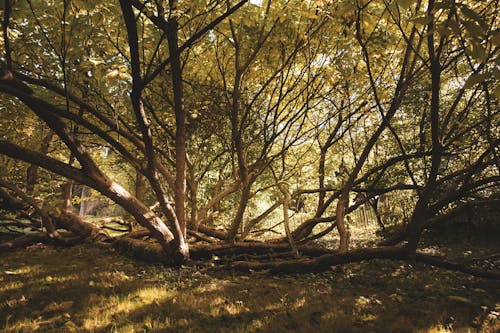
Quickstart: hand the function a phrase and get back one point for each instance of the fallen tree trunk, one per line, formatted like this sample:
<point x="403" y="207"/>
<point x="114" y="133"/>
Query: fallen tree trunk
<point x="46" y="220"/>
<point x="39" y="237"/>
<point x="325" y="262"/>
<point x="151" y="251"/>
<point x="74" y="223"/>
<point x="24" y="241"/>
<point x="204" y="252"/>
<point x="139" y="249"/>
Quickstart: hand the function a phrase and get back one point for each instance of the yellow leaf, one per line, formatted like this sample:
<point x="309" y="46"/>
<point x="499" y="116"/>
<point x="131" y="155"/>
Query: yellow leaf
<point x="113" y="73"/>
<point x="404" y="3"/>
<point x="422" y="20"/>
<point x="309" y="15"/>
<point x="124" y="76"/>
<point x="497" y="92"/>
<point x="495" y="40"/>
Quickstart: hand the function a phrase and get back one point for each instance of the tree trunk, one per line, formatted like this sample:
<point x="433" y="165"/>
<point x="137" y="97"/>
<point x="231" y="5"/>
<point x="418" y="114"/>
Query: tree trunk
<point x="238" y="218"/>
<point x="140" y="186"/>
<point x="67" y="193"/>
<point x="180" y="134"/>
<point x="74" y="223"/>
<point x="286" y="219"/>
<point x="32" y="171"/>
<point x="46" y="220"/>
<point x="340" y="219"/>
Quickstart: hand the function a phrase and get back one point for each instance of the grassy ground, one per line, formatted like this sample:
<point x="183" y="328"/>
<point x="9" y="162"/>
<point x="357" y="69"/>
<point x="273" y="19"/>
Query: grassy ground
<point x="88" y="289"/>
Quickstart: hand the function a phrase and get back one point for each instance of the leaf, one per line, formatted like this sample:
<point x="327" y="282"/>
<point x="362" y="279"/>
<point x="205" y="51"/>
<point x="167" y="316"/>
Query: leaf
<point x="405" y="3"/>
<point x="444" y="30"/>
<point x="96" y="61"/>
<point x="459" y="299"/>
<point x="422" y="20"/>
<point x="474" y="16"/>
<point x="495" y="40"/>
<point x="477" y="51"/>
<point x="308" y="15"/>
<point x="496" y="73"/>
<point x="124" y="76"/>
<point x="113" y="73"/>
<point x="497" y="92"/>
<point x="443" y="5"/>
<point x="475" y="79"/>
<point x="473" y="28"/>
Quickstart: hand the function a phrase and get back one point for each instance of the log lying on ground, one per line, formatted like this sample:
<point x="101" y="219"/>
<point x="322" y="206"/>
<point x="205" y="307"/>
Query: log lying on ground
<point x="79" y="230"/>
<point x="325" y="262"/>
<point x="204" y="252"/>
<point x="65" y="239"/>
<point x="134" y="247"/>
<point x="138" y="249"/>
<point x="74" y="223"/>
<point x="139" y="233"/>
<point x="106" y="222"/>
<point x="23" y="241"/>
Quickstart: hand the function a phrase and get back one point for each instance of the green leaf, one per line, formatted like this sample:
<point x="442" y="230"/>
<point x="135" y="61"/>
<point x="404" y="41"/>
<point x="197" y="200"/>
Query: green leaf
<point x="308" y="15"/>
<point x="444" y="30"/>
<point x="474" y="16"/>
<point x="496" y="73"/>
<point x="405" y="3"/>
<point x="473" y="29"/>
<point x="422" y="20"/>
<point x="477" y="51"/>
<point x="443" y="5"/>
<point x="495" y="40"/>
<point x="497" y="92"/>
<point x="475" y="79"/>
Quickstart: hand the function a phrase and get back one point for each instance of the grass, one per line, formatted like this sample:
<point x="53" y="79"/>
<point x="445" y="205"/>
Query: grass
<point x="89" y="289"/>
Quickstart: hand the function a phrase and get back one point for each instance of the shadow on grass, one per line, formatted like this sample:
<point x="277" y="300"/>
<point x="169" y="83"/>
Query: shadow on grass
<point x="84" y="289"/>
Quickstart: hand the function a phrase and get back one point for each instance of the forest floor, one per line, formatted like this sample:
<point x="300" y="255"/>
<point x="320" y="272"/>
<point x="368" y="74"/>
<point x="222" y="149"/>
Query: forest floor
<point x="90" y="289"/>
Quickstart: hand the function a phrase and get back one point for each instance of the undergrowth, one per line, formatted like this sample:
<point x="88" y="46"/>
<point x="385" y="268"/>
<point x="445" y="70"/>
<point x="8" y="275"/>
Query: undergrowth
<point x="89" y="289"/>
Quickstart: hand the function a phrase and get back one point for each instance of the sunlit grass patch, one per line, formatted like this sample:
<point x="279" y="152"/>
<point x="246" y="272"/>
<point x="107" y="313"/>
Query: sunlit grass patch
<point x="102" y="311"/>
<point x="93" y="290"/>
<point x="6" y="286"/>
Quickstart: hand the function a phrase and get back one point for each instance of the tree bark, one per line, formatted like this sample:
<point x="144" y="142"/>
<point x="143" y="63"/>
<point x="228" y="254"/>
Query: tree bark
<point x="180" y="132"/>
<point x="67" y="220"/>
<point x="46" y="220"/>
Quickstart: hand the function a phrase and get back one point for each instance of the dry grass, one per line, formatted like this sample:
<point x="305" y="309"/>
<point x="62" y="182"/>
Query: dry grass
<point x="85" y="289"/>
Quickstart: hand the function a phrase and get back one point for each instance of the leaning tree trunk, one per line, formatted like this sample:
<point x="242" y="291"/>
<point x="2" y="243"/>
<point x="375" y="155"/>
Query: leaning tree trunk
<point x="64" y="219"/>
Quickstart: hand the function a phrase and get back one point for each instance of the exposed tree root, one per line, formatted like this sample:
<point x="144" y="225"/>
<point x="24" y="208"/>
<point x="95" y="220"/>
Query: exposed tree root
<point x="139" y="249"/>
<point x="204" y="252"/>
<point x="200" y="236"/>
<point x="39" y="237"/>
<point x="79" y="231"/>
<point x="439" y="262"/>
<point x="74" y="223"/>
<point x="325" y="262"/>
<point x="221" y="235"/>
<point x="104" y="223"/>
